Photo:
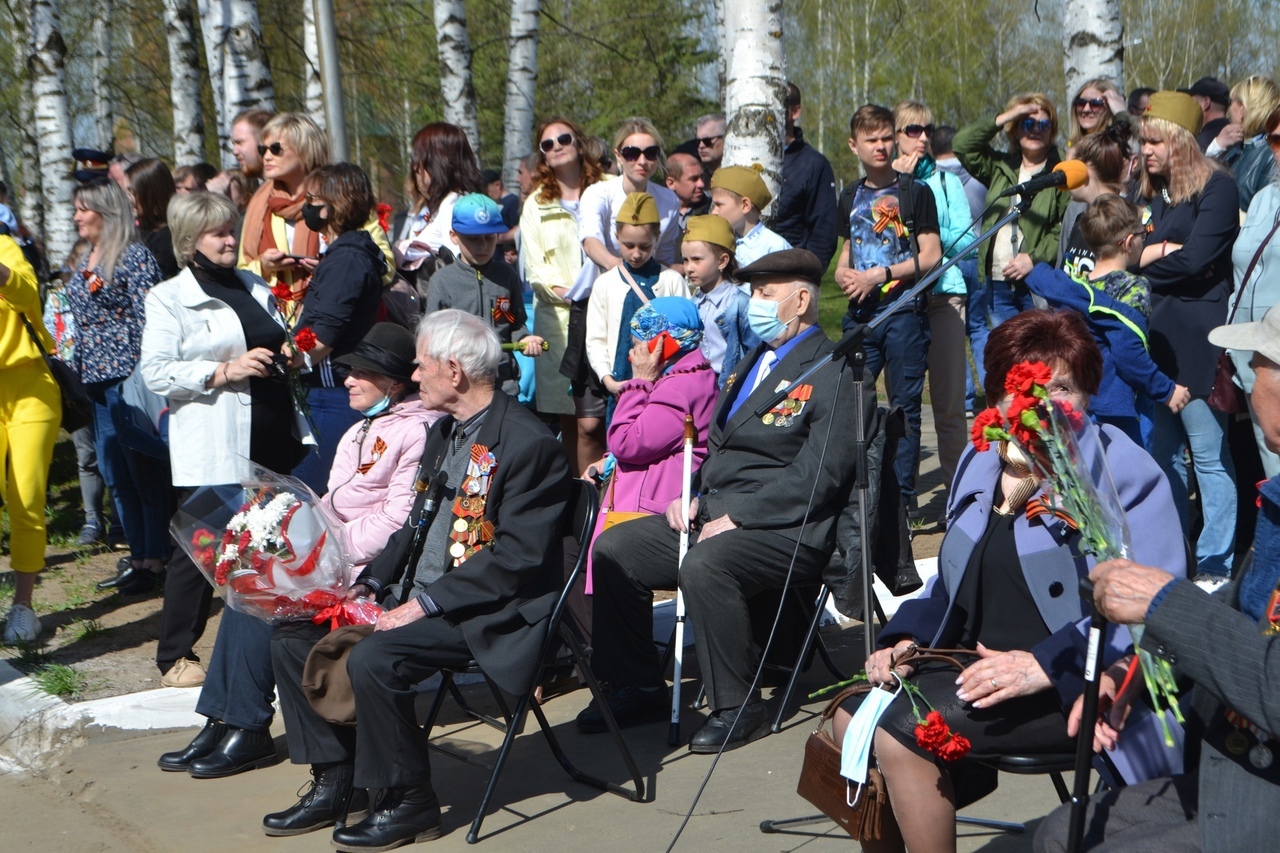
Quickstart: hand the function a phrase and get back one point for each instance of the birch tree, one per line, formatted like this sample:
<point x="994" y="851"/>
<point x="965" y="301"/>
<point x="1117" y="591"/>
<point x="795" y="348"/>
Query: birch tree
<point x="237" y="60"/>
<point x="184" y="85"/>
<point x="1092" y="42"/>
<point x="46" y="62"/>
<point x="313" y="90"/>
<point x="756" y="89"/>
<point x="30" y="207"/>
<point x="522" y="77"/>
<point x="456" y="87"/>
<point x="102" y="117"/>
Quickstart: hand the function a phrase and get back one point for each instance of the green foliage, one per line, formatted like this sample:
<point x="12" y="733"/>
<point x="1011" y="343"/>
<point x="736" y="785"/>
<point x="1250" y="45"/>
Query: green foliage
<point x="84" y="629"/>
<point x="59" y="679"/>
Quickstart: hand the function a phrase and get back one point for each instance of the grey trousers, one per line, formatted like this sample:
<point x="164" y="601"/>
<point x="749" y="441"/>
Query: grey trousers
<point x="1157" y="816"/>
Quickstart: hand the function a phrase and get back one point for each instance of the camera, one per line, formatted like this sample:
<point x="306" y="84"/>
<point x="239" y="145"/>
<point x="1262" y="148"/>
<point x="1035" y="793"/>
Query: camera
<point x="278" y="370"/>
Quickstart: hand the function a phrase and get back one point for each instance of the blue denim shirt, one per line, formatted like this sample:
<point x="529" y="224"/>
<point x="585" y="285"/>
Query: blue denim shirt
<point x="732" y="325"/>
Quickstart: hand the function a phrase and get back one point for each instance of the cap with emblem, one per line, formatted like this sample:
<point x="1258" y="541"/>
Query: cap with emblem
<point x="1262" y="336"/>
<point x="1179" y="108"/>
<point x="792" y="263"/>
<point x="710" y="229"/>
<point x="639" y="209"/>
<point x="476" y="214"/>
<point x="744" y="181"/>
<point x="91" y="165"/>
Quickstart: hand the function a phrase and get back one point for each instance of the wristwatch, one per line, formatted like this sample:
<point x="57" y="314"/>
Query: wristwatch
<point x="888" y="275"/>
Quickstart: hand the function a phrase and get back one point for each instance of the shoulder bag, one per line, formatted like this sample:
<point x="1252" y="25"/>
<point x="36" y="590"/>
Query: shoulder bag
<point x="77" y="408"/>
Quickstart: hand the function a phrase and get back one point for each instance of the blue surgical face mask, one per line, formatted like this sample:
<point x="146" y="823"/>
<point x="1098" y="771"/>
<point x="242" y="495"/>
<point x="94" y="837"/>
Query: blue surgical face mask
<point x="762" y="315"/>
<point x="378" y="407"/>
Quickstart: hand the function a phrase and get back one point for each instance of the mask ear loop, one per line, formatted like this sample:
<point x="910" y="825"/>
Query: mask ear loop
<point x="848" y="783"/>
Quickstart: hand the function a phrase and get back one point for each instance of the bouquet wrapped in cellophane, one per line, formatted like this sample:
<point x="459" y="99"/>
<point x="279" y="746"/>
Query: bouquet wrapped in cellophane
<point x="271" y="549"/>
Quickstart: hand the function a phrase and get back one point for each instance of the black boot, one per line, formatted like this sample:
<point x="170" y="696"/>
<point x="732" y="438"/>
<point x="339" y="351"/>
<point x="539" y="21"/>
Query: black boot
<point x="239" y="751"/>
<point x="331" y="798"/>
<point x="201" y="745"/>
<point x="401" y="816"/>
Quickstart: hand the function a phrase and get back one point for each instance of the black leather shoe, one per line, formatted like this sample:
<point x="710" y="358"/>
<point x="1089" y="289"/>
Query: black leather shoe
<point x="201" y="745"/>
<point x="631" y="706"/>
<point x="239" y="751"/>
<point x="141" y="582"/>
<point x="331" y="798"/>
<point x="124" y="570"/>
<point x="731" y="727"/>
<point x="401" y="816"/>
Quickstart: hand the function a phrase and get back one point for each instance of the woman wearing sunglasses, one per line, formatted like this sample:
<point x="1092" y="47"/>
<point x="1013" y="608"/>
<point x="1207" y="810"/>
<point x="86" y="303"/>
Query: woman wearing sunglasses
<point x="1030" y="124"/>
<point x="1094" y="108"/>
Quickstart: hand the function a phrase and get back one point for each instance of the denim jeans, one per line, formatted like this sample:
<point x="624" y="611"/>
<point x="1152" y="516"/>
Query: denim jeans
<point x="140" y="491"/>
<point x="900" y="348"/>
<point x="332" y="417"/>
<point x="239" y="684"/>
<point x="1204" y="431"/>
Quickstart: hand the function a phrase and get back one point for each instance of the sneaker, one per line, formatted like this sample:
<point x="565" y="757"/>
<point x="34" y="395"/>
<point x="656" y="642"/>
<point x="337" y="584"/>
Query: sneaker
<point x="1210" y="583"/>
<point x="184" y="673"/>
<point x="23" y="625"/>
<point x="91" y="534"/>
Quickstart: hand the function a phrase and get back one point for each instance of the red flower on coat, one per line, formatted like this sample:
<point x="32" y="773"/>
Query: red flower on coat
<point x="306" y="339"/>
<point x="986" y="425"/>
<point x="384" y="216"/>
<point x="1022" y="376"/>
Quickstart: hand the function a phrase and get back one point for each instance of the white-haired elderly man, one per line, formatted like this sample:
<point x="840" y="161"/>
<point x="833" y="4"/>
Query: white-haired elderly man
<point x="483" y="588"/>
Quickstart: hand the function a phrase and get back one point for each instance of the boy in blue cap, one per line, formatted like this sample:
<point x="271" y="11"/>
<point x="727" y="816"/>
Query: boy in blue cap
<point x="482" y="285"/>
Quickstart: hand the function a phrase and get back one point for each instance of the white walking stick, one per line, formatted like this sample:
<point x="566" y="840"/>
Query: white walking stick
<point x="673" y="738"/>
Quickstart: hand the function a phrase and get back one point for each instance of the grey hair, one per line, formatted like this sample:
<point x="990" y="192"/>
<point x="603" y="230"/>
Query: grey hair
<point x="118" y="229"/>
<point x="193" y="214"/>
<point x="710" y="117"/>
<point x="463" y="337"/>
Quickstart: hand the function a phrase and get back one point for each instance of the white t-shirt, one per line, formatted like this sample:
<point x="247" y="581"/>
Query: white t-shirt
<point x="1007" y="244"/>
<point x="598" y="216"/>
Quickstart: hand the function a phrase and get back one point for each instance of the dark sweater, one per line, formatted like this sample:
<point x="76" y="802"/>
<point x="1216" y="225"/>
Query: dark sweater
<point x="805" y="212"/>
<point x="342" y="301"/>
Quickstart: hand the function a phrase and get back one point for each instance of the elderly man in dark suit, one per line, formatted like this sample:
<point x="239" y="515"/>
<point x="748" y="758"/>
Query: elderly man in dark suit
<point x="1226" y="643"/>
<point x="771" y="490"/>
<point x="483" y="588"/>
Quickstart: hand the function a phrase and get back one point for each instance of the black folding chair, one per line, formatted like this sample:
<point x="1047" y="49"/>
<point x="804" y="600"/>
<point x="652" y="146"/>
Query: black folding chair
<point x="562" y="648"/>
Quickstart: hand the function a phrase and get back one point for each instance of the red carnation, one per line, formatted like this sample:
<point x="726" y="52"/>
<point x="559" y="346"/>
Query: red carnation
<point x="954" y="749"/>
<point x="933" y="732"/>
<point x="1024" y="375"/>
<point x="1076" y="419"/>
<point x="305" y="339"/>
<point x="986" y="420"/>
<point x="202" y="538"/>
<point x="384" y="216"/>
<point x="282" y="291"/>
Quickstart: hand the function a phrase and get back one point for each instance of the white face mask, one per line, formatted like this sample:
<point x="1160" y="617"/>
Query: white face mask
<point x="855" y="752"/>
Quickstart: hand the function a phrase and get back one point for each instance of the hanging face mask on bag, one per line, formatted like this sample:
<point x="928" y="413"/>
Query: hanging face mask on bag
<point x="762" y="316"/>
<point x="311" y="215"/>
<point x="855" y="752"/>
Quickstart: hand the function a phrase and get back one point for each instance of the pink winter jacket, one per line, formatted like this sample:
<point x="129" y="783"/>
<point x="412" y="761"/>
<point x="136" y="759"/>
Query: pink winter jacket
<point x="371" y="482"/>
<point x="646" y="437"/>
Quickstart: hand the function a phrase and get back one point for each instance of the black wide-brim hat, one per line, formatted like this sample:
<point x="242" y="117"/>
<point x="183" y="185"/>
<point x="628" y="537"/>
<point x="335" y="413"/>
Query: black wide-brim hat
<point x="388" y="349"/>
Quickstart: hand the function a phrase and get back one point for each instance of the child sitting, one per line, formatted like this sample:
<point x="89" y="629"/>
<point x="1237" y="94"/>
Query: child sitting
<point x="709" y="266"/>
<point x="621" y="291"/>
<point x="738" y="194"/>
<point x="1116" y="303"/>
<point x="482" y="285"/>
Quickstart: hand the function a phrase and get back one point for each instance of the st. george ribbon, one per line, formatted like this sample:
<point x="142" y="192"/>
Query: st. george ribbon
<point x="1067" y="175"/>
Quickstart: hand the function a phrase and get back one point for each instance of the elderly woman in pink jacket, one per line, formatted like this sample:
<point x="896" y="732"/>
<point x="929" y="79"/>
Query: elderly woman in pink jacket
<point x="671" y="378"/>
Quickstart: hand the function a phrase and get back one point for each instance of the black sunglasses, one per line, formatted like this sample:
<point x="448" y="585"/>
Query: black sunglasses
<point x="275" y="148"/>
<point x="914" y="130"/>
<point x="565" y="140"/>
<point x="708" y="141"/>
<point x="631" y="153"/>
<point x="1096" y="103"/>
<point x="1030" y="125"/>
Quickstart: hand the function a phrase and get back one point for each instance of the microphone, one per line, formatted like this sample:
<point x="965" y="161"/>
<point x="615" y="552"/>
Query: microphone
<point x="434" y="490"/>
<point x="1067" y="175"/>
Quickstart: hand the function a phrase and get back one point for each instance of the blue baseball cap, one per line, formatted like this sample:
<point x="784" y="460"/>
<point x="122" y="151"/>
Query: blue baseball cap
<point x="477" y="214"/>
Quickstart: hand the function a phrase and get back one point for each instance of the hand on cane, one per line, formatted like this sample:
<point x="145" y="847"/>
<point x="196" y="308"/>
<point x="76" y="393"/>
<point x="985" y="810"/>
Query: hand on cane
<point x="1114" y="704"/>
<point x="673" y="515"/>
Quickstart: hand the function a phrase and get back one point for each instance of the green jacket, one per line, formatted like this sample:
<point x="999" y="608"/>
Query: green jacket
<point x="1042" y="226"/>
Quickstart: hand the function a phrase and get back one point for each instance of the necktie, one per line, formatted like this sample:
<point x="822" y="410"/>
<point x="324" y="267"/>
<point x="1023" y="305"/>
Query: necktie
<point x="767" y="361"/>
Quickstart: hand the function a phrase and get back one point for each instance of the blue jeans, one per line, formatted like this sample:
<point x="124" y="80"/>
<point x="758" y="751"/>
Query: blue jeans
<point x="239" y="684"/>
<point x="331" y="417"/>
<point x="900" y="348"/>
<point x="1204" y="431"/>
<point x="140" y="489"/>
<point x="991" y="304"/>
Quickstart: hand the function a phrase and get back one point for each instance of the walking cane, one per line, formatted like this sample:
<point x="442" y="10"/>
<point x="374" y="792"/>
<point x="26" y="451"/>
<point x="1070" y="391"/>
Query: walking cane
<point x="673" y="737"/>
<point x="1088" y="719"/>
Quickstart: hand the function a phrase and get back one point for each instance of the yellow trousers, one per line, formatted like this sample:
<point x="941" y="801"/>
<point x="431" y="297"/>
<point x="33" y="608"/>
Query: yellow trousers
<point x="30" y="412"/>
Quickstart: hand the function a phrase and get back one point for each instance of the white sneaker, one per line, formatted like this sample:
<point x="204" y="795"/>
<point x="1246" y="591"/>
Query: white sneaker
<point x="23" y="625"/>
<point x="1210" y="583"/>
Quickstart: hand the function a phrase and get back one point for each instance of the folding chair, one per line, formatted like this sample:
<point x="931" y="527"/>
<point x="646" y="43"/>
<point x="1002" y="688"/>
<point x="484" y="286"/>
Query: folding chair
<point x="560" y="648"/>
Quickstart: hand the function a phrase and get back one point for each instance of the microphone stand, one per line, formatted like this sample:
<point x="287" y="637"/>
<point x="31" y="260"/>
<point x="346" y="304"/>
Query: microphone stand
<point x="424" y="511"/>
<point x="850" y="347"/>
<point x="1088" y="718"/>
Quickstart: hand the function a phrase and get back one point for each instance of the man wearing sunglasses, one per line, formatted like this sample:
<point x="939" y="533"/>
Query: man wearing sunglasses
<point x="709" y="135"/>
<point x="805" y="210"/>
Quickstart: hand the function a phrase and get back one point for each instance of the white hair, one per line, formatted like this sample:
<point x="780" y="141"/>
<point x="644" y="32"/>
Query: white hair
<point x="463" y="337"/>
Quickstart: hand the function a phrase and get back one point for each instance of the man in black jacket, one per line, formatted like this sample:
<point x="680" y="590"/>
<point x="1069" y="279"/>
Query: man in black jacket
<point x="483" y="588"/>
<point x="772" y="489"/>
<point x="806" y="209"/>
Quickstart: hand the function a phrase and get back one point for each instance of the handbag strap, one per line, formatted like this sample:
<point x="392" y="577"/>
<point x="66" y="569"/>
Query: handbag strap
<point x="35" y="339"/>
<point x="1249" y="269"/>
<point x="622" y="268"/>
<point x="913" y="655"/>
<point x="613" y="481"/>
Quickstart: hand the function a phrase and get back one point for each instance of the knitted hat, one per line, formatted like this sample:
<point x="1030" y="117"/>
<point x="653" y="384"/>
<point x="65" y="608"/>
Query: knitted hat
<point x="638" y="209"/>
<point x="710" y="229"/>
<point x="1178" y="108"/>
<point x="744" y="181"/>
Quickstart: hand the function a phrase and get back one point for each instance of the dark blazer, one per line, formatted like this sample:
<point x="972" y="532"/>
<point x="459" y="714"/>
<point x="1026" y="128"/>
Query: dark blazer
<point x="763" y="475"/>
<point x="503" y="595"/>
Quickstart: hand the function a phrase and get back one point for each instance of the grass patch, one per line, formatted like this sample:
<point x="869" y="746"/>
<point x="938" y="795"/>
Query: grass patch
<point x="58" y="679"/>
<point x="85" y="629"/>
<point x="30" y="655"/>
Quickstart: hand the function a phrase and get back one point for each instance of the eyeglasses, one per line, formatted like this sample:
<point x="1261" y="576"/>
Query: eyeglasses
<point x="708" y="141"/>
<point x="275" y="148"/>
<point x="564" y="140"/>
<point x="1030" y="125"/>
<point x="631" y="153"/>
<point x="1096" y="103"/>
<point x="1273" y="139"/>
<point x="914" y="130"/>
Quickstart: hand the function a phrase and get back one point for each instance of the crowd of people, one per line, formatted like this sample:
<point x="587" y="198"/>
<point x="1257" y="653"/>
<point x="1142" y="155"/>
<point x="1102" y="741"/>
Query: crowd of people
<point x="277" y="315"/>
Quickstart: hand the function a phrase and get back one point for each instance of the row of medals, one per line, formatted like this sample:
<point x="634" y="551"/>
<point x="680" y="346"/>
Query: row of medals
<point x="469" y="531"/>
<point x="1260" y="756"/>
<point x="783" y="414"/>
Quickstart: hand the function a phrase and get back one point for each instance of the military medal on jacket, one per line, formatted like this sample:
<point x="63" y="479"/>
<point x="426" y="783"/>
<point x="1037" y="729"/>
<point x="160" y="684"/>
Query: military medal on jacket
<point x="470" y="530"/>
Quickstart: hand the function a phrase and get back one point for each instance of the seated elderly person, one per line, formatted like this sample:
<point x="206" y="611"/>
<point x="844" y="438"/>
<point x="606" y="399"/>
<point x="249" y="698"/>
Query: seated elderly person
<point x="771" y="493"/>
<point x="487" y="596"/>
<point x="1008" y="575"/>
<point x="1225" y="643"/>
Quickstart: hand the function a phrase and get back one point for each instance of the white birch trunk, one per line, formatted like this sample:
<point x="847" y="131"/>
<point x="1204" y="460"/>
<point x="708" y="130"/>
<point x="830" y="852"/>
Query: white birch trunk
<point x="102" y="117"/>
<point x="30" y="207"/>
<point x="237" y="61"/>
<point x="724" y="51"/>
<point x="53" y="126"/>
<point x="1092" y="42"/>
<point x="313" y="90"/>
<point x="522" y="77"/>
<point x="456" y="88"/>
<point x="184" y="84"/>
<point x="756" y="89"/>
